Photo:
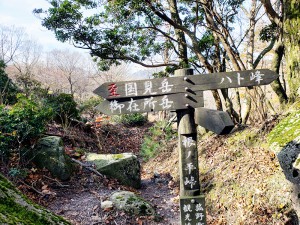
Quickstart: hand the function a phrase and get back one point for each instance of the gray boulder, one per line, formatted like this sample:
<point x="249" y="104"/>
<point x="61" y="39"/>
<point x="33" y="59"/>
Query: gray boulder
<point x="289" y="159"/>
<point x="124" y="167"/>
<point x="131" y="203"/>
<point x="49" y="153"/>
<point x="284" y="140"/>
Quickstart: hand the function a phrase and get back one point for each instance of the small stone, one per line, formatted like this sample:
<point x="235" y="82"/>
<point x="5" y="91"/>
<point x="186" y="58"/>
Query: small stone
<point x="107" y="205"/>
<point x="131" y="203"/>
<point x="156" y="175"/>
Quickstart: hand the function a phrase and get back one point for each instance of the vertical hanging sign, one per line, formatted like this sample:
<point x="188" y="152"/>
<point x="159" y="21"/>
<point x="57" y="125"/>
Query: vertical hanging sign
<point x="189" y="159"/>
<point x="192" y="210"/>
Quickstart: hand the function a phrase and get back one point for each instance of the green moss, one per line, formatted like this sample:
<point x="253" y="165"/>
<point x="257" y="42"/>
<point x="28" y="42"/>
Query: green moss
<point x="118" y="156"/>
<point x="286" y="131"/>
<point x="5" y="183"/>
<point x="15" y="208"/>
<point x="249" y="137"/>
<point x="132" y="204"/>
<point x="19" y="214"/>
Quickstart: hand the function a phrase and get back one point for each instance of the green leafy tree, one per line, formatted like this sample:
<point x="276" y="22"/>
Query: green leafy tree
<point x="197" y="34"/>
<point x="22" y="124"/>
<point x="140" y="31"/>
<point x="135" y="31"/>
<point x="64" y="108"/>
<point x="8" y="89"/>
<point x="286" y="26"/>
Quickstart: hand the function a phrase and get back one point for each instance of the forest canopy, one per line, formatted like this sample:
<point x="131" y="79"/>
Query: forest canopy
<point x="210" y="36"/>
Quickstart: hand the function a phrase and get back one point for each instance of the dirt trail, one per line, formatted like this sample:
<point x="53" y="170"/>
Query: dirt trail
<point x="80" y="201"/>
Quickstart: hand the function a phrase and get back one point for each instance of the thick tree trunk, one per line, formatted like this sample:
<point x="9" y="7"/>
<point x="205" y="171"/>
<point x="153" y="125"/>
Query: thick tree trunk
<point x="291" y="38"/>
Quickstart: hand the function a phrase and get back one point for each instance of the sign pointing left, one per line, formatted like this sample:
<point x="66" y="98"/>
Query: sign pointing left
<point x="172" y="85"/>
<point x="151" y="103"/>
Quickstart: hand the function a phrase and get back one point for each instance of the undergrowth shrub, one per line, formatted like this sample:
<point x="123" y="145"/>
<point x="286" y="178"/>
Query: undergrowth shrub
<point x="21" y="124"/>
<point x="156" y="139"/>
<point x="88" y="108"/>
<point x="64" y="107"/>
<point x="135" y="119"/>
<point x="8" y="90"/>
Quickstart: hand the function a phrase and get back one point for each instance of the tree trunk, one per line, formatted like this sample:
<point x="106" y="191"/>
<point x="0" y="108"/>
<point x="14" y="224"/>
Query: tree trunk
<point x="276" y="85"/>
<point x="250" y="65"/>
<point x="248" y="105"/>
<point x="229" y="106"/>
<point x="217" y="100"/>
<point x="291" y="38"/>
<point x="239" y="105"/>
<point x="182" y="49"/>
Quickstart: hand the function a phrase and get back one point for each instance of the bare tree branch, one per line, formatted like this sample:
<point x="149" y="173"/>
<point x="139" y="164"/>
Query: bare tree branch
<point x="272" y="15"/>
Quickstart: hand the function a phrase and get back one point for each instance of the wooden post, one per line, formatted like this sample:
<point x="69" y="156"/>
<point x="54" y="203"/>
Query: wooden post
<point x="192" y="204"/>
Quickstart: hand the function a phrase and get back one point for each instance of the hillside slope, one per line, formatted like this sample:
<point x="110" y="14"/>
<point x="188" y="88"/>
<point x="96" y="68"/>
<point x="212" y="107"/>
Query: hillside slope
<point x="240" y="174"/>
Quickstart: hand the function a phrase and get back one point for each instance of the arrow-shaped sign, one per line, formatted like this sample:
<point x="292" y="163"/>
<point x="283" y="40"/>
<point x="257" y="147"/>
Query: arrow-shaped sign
<point x="217" y="121"/>
<point x="171" y="85"/>
<point x="151" y="104"/>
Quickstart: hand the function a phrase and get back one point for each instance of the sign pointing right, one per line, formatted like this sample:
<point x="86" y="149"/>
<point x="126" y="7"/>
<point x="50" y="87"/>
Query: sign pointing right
<point x="246" y="78"/>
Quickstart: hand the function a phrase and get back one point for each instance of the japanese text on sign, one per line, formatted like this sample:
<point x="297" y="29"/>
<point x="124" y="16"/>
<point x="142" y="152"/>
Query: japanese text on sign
<point x="148" y="103"/>
<point x="192" y="212"/>
<point x="189" y="164"/>
<point x="256" y="76"/>
<point x="132" y="89"/>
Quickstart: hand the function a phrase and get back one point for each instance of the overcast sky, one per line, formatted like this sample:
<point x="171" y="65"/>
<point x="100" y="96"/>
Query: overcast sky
<point x="19" y="13"/>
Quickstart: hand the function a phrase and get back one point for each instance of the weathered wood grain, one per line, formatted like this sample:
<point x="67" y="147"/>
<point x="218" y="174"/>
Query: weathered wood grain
<point x="193" y="210"/>
<point x="216" y="121"/>
<point x="152" y="104"/>
<point x="182" y="84"/>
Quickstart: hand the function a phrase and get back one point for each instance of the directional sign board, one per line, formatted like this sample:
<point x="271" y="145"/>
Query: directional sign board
<point x="152" y="103"/>
<point x="171" y="85"/>
<point x="182" y="92"/>
<point x="217" y="121"/>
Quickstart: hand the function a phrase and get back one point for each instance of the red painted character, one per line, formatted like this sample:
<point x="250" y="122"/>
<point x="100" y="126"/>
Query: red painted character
<point x="112" y="88"/>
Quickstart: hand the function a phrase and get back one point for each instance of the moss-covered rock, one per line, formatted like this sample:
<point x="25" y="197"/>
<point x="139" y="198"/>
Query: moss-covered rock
<point x="284" y="140"/>
<point x="15" y="208"/>
<point x="124" y="167"/>
<point x="49" y="153"/>
<point x="289" y="160"/>
<point x="286" y="131"/>
<point x="131" y="203"/>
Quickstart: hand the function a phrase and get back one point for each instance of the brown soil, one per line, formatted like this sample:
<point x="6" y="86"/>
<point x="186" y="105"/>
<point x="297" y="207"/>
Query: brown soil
<point x="79" y="200"/>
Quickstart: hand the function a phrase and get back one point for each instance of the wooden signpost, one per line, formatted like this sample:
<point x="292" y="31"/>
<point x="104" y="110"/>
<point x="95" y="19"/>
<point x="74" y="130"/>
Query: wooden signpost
<point x="185" y="84"/>
<point x="216" y="121"/>
<point x="182" y="93"/>
<point x="152" y="103"/>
